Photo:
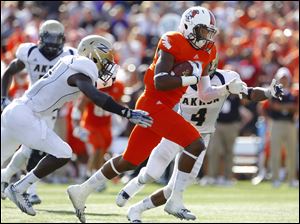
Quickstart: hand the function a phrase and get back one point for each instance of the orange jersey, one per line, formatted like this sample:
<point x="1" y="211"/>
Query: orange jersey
<point x="175" y="44"/>
<point x="96" y="116"/>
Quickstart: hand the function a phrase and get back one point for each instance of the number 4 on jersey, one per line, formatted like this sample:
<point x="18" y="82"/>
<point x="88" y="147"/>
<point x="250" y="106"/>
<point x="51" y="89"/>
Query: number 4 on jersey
<point x="199" y="117"/>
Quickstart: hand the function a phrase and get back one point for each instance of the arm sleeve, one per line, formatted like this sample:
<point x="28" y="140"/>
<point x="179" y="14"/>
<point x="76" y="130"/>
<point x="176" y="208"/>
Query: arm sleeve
<point x="101" y="99"/>
<point x="207" y="92"/>
<point x="168" y="43"/>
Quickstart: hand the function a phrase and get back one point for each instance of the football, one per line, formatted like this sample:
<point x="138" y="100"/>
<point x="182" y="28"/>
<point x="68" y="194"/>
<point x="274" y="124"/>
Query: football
<point x="182" y="69"/>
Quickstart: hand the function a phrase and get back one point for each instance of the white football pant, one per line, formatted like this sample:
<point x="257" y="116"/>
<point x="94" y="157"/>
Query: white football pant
<point x="20" y="125"/>
<point x="165" y="152"/>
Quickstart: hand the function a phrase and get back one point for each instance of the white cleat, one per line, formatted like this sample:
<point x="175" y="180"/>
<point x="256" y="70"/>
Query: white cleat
<point x="122" y="198"/>
<point x="21" y="200"/>
<point x="134" y="215"/>
<point x="78" y="201"/>
<point x="4" y="185"/>
<point x="178" y="211"/>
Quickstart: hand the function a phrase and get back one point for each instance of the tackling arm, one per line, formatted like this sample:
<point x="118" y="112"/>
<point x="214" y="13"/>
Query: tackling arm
<point x="84" y="83"/>
<point x="101" y="99"/>
<point x="207" y="92"/>
<point x="260" y="94"/>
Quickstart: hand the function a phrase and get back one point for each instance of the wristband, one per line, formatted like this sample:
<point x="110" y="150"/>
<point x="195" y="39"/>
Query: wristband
<point x="188" y="80"/>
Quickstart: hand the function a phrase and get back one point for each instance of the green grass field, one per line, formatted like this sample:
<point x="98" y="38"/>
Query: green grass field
<point x="242" y="203"/>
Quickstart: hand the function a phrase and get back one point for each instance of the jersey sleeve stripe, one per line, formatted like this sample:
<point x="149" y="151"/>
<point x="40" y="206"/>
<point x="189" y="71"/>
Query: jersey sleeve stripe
<point x="221" y="77"/>
<point x="30" y="50"/>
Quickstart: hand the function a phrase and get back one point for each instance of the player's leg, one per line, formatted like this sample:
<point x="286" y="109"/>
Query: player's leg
<point x="34" y="133"/>
<point x="34" y="159"/>
<point x="8" y="147"/>
<point x="158" y="161"/>
<point x="135" y="154"/>
<point x="187" y="136"/>
<point x="18" y="160"/>
<point x="160" y="197"/>
<point x="182" y="176"/>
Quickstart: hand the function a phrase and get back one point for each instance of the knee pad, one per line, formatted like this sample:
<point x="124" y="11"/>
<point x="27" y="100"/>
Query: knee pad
<point x="64" y="153"/>
<point x="161" y="157"/>
<point x="145" y="178"/>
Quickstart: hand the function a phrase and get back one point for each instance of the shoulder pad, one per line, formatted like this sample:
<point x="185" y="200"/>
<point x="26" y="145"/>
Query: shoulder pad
<point x="70" y="50"/>
<point x="86" y="66"/>
<point x="23" y="50"/>
<point x="170" y="42"/>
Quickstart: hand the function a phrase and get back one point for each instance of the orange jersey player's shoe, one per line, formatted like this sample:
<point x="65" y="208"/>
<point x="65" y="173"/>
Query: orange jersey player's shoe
<point x="159" y="104"/>
<point x="98" y="121"/>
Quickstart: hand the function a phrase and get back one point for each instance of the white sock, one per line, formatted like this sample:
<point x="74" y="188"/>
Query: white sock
<point x="133" y="187"/>
<point x="144" y="205"/>
<point x="23" y="184"/>
<point x="32" y="189"/>
<point x="15" y="165"/>
<point x="182" y="180"/>
<point x="82" y="170"/>
<point x="93" y="182"/>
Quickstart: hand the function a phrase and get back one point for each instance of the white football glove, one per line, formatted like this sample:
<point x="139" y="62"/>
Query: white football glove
<point x="139" y="117"/>
<point x="4" y="102"/>
<point x="197" y="69"/>
<point x="81" y="133"/>
<point x="276" y="90"/>
<point x="236" y="86"/>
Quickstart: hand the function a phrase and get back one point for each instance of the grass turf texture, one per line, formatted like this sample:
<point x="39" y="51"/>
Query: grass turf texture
<point x="241" y="203"/>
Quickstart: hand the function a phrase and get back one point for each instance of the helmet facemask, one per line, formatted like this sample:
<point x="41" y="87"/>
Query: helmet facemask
<point x="107" y="69"/>
<point x="202" y="37"/>
<point x="51" y="44"/>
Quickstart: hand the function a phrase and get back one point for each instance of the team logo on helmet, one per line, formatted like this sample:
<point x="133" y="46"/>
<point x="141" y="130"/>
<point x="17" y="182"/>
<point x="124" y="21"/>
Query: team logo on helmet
<point x="191" y="14"/>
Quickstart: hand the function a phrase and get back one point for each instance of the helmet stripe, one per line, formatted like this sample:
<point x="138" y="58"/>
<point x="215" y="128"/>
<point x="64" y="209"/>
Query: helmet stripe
<point x="212" y="19"/>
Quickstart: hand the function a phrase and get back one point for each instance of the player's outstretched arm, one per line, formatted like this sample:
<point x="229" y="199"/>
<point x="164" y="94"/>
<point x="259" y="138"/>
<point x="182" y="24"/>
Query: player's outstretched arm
<point x="260" y="94"/>
<point x="84" y="83"/>
<point x="207" y="92"/>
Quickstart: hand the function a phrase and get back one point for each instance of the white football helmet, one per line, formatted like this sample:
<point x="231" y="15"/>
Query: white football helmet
<point x="52" y="38"/>
<point x="99" y="50"/>
<point x="198" y="25"/>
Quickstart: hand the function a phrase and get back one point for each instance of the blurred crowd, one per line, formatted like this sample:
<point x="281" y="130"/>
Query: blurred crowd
<point x="255" y="38"/>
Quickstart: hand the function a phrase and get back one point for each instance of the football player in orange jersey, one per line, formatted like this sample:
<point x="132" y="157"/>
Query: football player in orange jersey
<point x="194" y="43"/>
<point x="93" y="125"/>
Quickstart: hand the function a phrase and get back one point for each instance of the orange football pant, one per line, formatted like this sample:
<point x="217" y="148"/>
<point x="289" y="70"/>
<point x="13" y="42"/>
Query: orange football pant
<point x="166" y="123"/>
